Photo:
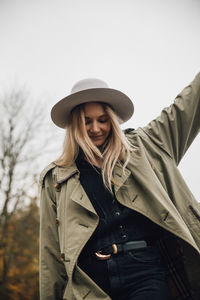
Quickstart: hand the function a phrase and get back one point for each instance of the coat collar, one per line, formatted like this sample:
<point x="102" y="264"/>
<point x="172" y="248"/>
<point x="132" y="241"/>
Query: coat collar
<point x="120" y="175"/>
<point x="65" y="173"/>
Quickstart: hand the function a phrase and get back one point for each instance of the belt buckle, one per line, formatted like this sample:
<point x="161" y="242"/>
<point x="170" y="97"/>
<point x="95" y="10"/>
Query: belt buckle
<point x="101" y="256"/>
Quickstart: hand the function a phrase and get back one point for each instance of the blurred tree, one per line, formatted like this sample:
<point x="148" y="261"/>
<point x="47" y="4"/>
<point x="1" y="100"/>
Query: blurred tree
<point x="20" y="147"/>
<point x="22" y="242"/>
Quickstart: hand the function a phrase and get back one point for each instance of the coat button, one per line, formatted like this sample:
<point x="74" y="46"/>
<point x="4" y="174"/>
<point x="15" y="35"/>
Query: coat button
<point x="117" y="213"/>
<point x="57" y="187"/>
<point x="57" y="222"/>
<point x="124" y="236"/>
<point x="62" y="256"/>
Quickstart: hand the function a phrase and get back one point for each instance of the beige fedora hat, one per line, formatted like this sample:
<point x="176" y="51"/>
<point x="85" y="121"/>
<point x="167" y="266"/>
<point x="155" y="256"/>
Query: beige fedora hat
<point x="92" y="90"/>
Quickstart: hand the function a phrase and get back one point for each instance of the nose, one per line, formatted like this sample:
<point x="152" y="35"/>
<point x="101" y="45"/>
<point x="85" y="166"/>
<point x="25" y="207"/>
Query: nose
<point x="94" y="128"/>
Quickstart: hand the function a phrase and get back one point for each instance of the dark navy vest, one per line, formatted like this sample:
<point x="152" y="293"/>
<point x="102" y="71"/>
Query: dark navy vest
<point x="117" y="223"/>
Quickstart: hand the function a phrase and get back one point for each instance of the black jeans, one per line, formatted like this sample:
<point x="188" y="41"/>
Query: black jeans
<point x="134" y="275"/>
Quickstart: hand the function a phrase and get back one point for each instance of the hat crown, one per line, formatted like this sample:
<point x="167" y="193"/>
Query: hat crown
<point x="88" y="83"/>
<point x="91" y="90"/>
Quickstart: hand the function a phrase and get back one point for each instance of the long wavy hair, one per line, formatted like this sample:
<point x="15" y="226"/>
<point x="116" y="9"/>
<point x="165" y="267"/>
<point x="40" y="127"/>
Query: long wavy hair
<point x="115" y="149"/>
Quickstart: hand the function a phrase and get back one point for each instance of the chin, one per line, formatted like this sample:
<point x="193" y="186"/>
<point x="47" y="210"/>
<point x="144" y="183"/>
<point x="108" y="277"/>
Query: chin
<point x="98" y="144"/>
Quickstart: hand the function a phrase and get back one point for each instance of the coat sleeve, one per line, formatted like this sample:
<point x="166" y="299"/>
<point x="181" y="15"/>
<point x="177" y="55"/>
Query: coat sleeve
<point x="177" y="126"/>
<point x="53" y="276"/>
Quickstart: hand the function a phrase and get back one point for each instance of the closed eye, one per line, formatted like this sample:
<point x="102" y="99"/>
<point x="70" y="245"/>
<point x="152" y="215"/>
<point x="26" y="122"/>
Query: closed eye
<point x="103" y="121"/>
<point x="87" y="121"/>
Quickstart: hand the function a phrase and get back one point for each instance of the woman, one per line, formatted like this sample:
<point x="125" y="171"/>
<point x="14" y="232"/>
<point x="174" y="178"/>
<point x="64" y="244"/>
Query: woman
<point x="117" y="219"/>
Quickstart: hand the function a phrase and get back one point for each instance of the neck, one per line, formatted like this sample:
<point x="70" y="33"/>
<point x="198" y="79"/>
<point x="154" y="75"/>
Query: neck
<point x="99" y="161"/>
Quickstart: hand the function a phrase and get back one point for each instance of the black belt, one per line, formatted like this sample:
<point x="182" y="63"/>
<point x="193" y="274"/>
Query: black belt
<point x="105" y="253"/>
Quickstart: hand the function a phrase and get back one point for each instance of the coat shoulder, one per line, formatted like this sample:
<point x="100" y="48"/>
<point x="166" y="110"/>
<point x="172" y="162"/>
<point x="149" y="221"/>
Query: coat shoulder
<point x="132" y="133"/>
<point x="46" y="171"/>
<point x="129" y="133"/>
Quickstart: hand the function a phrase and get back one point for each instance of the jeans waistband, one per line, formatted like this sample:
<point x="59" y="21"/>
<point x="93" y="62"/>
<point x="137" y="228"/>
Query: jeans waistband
<point x="106" y="252"/>
<point x="128" y="246"/>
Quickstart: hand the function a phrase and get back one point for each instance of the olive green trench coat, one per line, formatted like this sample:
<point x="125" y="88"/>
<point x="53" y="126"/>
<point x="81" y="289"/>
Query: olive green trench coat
<point x="151" y="184"/>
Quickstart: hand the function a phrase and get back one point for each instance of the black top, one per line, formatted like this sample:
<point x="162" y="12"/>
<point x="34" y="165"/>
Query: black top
<point x="117" y="223"/>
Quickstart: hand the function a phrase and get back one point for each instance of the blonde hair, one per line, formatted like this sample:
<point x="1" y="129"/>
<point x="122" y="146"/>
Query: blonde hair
<point x="114" y="150"/>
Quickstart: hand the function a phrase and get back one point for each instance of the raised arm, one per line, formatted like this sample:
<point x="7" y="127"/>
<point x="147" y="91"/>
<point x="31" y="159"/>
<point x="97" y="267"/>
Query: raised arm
<point x="177" y="126"/>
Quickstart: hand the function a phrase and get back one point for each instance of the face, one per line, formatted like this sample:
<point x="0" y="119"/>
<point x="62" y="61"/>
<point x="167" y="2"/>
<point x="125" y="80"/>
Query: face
<point x="97" y="123"/>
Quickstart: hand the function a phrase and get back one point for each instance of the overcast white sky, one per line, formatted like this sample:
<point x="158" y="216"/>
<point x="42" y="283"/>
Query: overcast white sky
<point x="149" y="49"/>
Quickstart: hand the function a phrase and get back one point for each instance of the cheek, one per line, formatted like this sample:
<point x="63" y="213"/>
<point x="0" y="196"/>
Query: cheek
<point x="108" y="128"/>
<point x="87" y="127"/>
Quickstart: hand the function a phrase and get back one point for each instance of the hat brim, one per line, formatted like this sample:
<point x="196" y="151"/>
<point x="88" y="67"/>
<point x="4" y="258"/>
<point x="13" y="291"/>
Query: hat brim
<point x="121" y="104"/>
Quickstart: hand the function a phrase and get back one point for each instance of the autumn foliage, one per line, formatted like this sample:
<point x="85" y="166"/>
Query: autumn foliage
<point x="19" y="256"/>
<point x="21" y="150"/>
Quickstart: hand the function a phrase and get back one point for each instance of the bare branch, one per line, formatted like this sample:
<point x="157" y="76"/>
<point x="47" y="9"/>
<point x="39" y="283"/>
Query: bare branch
<point x="19" y="127"/>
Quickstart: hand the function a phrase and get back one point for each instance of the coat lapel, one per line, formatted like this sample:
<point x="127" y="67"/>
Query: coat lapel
<point x="120" y="176"/>
<point x="78" y="194"/>
<point x="80" y="197"/>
